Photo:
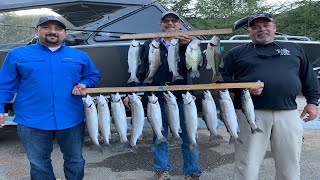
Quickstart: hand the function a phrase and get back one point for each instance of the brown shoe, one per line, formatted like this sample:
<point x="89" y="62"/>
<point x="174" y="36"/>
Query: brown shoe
<point x="193" y="177"/>
<point x="161" y="175"/>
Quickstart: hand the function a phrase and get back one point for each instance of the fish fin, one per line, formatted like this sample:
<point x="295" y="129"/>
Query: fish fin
<point x="193" y="147"/>
<point x="139" y="61"/>
<point x="201" y="61"/>
<point x="162" y="129"/>
<point x="180" y="130"/>
<point x="134" y="149"/>
<point x="148" y="80"/>
<point x="208" y="66"/>
<point x="140" y="137"/>
<point x="98" y="148"/>
<point x="238" y="129"/>
<point x="235" y="141"/>
<point x="256" y="130"/>
<point x="106" y="146"/>
<point x="126" y="145"/>
<point x="205" y="51"/>
<point x="177" y="139"/>
<point x="135" y="79"/>
<point x="162" y="139"/>
<point x="177" y="77"/>
<point x="215" y="137"/>
<point x="216" y="78"/>
<point x="238" y="141"/>
<point x="194" y="74"/>
<point x="188" y="66"/>
<point x="221" y="65"/>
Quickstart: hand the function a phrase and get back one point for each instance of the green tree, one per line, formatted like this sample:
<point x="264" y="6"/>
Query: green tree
<point x="303" y="20"/>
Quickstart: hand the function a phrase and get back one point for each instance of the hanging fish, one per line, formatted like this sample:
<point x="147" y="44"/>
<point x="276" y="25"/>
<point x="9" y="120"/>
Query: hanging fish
<point x="194" y="57"/>
<point x="210" y="115"/>
<point x="248" y="110"/>
<point x="154" y="60"/>
<point x="213" y="56"/>
<point x="229" y="115"/>
<point x="173" y="59"/>
<point x="133" y="61"/>
<point x="91" y="117"/>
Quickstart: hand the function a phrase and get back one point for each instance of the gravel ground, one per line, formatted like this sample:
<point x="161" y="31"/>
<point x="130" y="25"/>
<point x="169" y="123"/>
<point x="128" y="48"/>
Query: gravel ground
<point x="216" y="159"/>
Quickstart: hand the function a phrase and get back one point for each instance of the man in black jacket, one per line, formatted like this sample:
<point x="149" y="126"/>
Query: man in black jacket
<point x="285" y="70"/>
<point x="170" y="22"/>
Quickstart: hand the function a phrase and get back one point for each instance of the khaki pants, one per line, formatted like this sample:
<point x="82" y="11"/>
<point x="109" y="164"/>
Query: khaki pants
<point x="284" y="130"/>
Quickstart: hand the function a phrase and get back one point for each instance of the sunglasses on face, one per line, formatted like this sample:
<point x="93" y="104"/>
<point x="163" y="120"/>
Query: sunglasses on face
<point x="276" y="53"/>
<point x="166" y="21"/>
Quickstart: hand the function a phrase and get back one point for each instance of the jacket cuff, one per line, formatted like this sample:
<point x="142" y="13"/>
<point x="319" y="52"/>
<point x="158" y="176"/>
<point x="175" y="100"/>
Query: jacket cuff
<point x="313" y="101"/>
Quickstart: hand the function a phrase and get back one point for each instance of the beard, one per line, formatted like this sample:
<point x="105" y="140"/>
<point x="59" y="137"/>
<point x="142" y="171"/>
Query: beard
<point x="54" y="39"/>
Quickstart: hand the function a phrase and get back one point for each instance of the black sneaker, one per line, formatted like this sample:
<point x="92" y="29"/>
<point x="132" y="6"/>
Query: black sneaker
<point x="193" y="177"/>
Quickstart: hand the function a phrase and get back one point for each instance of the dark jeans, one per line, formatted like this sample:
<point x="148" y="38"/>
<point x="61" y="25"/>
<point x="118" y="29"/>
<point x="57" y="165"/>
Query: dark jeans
<point x="39" y="145"/>
<point x="161" y="151"/>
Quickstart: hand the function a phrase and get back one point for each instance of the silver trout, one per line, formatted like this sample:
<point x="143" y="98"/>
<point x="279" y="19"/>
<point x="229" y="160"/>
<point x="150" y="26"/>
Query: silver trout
<point x="194" y="57"/>
<point x="229" y="115"/>
<point x="92" y="124"/>
<point x="172" y="111"/>
<point x="154" y="60"/>
<point x="133" y="61"/>
<point x="137" y="114"/>
<point x="210" y="115"/>
<point x="155" y="118"/>
<point x="248" y="110"/>
<point x="173" y="59"/>
<point x="191" y="119"/>
<point x="213" y="56"/>
<point x="104" y="120"/>
<point x="118" y="113"/>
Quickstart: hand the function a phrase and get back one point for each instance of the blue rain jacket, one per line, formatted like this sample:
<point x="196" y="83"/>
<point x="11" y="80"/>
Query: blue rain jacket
<point x="43" y="81"/>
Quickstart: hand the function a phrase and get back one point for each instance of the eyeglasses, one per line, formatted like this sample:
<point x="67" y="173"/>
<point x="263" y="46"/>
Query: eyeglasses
<point x="166" y="21"/>
<point x="276" y="53"/>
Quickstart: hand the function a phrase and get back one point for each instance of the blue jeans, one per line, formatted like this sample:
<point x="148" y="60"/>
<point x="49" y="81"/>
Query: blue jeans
<point x="39" y="145"/>
<point x="161" y="151"/>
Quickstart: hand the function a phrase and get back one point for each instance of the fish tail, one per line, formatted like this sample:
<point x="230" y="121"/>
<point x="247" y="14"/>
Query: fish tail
<point x="133" y="79"/>
<point x="194" y="74"/>
<point x="98" y="148"/>
<point x="126" y="145"/>
<point x="214" y="137"/>
<point x="160" y="140"/>
<point x="177" y="139"/>
<point x="148" y="80"/>
<point x="193" y="147"/>
<point x="175" y="77"/>
<point x="235" y="141"/>
<point x="134" y="149"/>
<point x="256" y="130"/>
<point x="106" y="145"/>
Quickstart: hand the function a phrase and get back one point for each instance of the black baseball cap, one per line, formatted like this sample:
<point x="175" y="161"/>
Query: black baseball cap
<point x="45" y="19"/>
<point x="170" y="13"/>
<point x="259" y="15"/>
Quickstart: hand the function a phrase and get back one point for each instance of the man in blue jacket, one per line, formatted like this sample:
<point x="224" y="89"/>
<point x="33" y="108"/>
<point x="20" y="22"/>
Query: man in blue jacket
<point x="49" y="79"/>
